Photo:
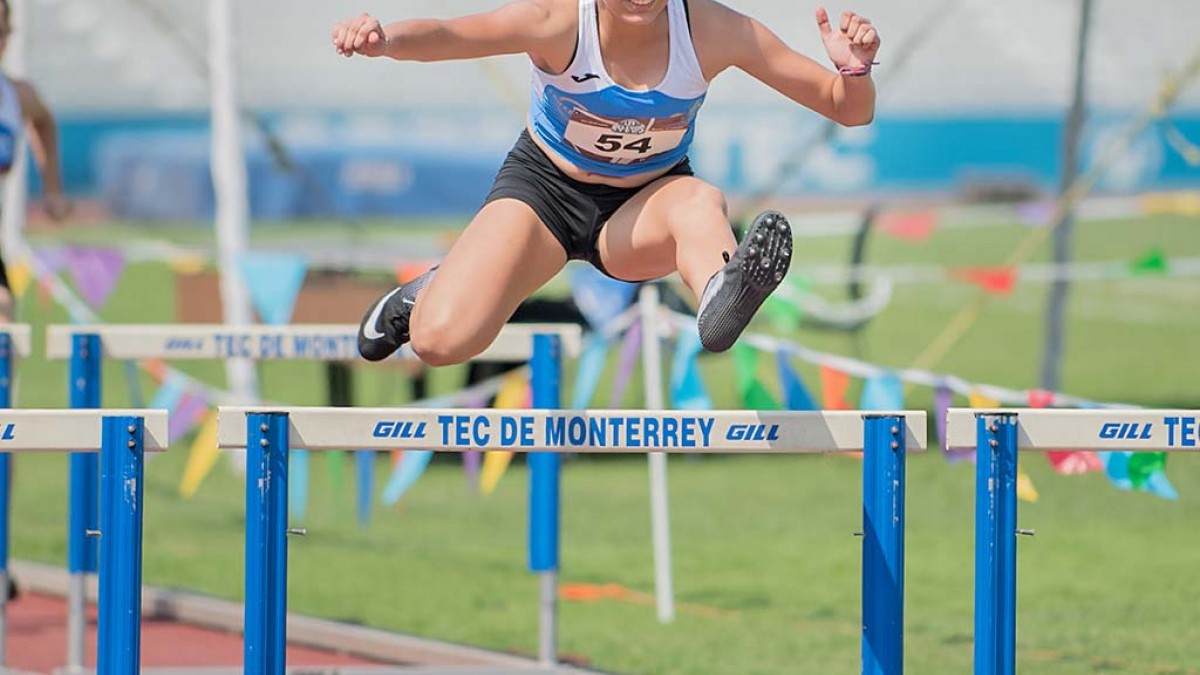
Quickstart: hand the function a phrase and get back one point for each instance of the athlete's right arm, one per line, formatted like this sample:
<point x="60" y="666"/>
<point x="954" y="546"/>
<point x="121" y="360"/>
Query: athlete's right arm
<point x="517" y="27"/>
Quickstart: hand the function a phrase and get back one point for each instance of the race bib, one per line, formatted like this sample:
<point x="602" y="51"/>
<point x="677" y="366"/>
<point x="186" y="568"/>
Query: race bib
<point x="624" y="141"/>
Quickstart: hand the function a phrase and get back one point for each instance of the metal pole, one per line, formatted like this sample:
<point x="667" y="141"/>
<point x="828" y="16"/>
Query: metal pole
<point x="883" y="546"/>
<point x="121" y="490"/>
<point x="544" y="499"/>
<point x="266" y="543"/>
<point x="84" y="501"/>
<point x="995" y="544"/>
<point x="229" y="186"/>
<point x="5" y="496"/>
<point x="660" y="521"/>
<point x="1056" y="307"/>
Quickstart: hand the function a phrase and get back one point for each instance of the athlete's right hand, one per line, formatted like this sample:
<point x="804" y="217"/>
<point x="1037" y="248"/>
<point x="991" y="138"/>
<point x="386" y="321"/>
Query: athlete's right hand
<point x="361" y="35"/>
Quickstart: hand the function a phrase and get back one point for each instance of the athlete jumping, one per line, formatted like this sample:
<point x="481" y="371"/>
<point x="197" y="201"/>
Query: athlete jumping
<point x="600" y="173"/>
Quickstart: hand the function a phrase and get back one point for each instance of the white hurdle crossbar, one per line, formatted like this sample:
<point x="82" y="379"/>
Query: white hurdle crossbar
<point x="998" y="436"/>
<point x="121" y="437"/>
<point x="312" y="342"/>
<point x="268" y="433"/>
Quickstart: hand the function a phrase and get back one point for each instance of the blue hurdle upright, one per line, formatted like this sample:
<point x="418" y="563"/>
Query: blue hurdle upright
<point x="268" y="434"/>
<point x="998" y="436"/>
<point x="121" y="437"/>
<point x="14" y="343"/>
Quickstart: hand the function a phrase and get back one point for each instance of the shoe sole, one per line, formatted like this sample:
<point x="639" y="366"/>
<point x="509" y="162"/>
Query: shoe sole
<point x="756" y="269"/>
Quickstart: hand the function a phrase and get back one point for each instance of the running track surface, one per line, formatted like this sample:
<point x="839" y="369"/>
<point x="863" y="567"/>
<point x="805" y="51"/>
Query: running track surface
<point x="37" y="641"/>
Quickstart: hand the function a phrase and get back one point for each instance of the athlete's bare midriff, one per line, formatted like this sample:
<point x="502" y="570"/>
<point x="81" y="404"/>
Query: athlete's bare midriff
<point x="636" y="180"/>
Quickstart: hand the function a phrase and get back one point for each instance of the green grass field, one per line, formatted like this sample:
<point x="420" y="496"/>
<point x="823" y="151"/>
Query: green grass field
<point x="763" y="546"/>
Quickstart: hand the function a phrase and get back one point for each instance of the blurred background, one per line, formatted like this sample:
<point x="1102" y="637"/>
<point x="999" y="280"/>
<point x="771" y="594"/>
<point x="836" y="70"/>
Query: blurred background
<point x="1020" y="225"/>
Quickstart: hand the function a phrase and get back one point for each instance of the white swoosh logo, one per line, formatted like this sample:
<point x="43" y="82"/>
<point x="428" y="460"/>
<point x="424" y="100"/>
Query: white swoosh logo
<point x="369" y="327"/>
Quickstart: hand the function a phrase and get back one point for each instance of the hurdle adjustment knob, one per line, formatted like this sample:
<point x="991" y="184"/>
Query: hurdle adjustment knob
<point x="298" y="531"/>
<point x="92" y="533"/>
<point x="856" y="534"/>
<point x="1026" y="533"/>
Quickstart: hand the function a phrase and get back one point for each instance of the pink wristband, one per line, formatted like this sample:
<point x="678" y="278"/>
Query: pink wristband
<point x="857" y="72"/>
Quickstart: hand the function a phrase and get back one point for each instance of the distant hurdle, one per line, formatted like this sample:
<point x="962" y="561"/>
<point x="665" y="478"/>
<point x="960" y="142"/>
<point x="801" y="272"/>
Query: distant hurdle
<point x="14" y="344"/>
<point x="267" y="434"/>
<point x="998" y="436"/>
<point x="121" y="437"/>
<point x="87" y="345"/>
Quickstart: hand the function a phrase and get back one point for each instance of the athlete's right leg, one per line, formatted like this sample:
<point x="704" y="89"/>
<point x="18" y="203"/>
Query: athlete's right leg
<point x="504" y="255"/>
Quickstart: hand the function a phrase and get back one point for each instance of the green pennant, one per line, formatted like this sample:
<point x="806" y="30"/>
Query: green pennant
<point x="786" y="314"/>
<point x="1153" y="261"/>
<point x="1142" y="465"/>
<point x="753" y="394"/>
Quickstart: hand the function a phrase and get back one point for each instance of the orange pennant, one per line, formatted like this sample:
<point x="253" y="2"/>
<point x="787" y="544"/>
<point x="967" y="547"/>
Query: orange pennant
<point x="834" y="384"/>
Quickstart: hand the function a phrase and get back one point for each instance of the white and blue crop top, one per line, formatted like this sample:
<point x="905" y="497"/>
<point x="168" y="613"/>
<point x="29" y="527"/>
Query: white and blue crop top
<point x="11" y="124"/>
<point x="604" y="128"/>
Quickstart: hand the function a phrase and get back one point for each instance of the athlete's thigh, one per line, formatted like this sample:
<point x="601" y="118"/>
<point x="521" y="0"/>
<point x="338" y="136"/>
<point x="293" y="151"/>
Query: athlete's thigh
<point x="501" y="258"/>
<point x="638" y="241"/>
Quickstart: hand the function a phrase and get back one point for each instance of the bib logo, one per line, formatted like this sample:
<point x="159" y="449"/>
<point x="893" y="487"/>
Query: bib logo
<point x="1127" y="430"/>
<point x="632" y="127"/>
<point x="386" y="429"/>
<point x="753" y="432"/>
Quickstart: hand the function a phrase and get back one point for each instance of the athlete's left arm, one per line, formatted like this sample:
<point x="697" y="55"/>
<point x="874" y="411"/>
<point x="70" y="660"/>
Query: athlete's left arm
<point x="846" y="96"/>
<point x="44" y="144"/>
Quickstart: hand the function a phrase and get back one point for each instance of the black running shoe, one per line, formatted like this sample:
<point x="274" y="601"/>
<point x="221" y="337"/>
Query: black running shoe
<point x="738" y="289"/>
<point x="384" y="329"/>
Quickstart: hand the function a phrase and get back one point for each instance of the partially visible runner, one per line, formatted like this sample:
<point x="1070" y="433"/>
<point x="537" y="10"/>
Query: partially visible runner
<point x="21" y="109"/>
<point x="600" y="173"/>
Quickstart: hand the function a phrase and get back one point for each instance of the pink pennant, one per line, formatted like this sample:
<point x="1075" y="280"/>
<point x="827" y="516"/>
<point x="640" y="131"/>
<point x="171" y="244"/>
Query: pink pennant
<point x="1066" y="462"/>
<point x="911" y="226"/>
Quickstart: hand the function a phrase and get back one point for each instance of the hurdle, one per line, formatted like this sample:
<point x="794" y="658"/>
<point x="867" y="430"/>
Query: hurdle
<point x="268" y="433"/>
<point x="87" y="345"/>
<point x="997" y="437"/>
<point x="122" y="437"/>
<point x="14" y="343"/>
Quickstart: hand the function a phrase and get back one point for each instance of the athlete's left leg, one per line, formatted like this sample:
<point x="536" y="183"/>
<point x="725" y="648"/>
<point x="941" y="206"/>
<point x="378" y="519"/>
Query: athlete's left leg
<point x="679" y="223"/>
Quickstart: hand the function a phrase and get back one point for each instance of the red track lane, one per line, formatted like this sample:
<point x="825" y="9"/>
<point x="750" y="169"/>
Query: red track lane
<point x="37" y="641"/>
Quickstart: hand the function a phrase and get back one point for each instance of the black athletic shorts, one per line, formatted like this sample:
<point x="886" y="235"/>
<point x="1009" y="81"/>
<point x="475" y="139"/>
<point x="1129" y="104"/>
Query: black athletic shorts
<point x="573" y="211"/>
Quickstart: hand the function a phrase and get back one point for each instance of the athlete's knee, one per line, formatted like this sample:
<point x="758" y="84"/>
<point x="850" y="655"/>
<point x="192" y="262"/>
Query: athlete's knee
<point x="694" y="195"/>
<point x="440" y="341"/>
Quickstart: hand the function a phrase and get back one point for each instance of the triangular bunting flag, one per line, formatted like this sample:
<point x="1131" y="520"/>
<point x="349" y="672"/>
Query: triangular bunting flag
<point x="95" y="272"/>
<point x="1065" y="462"/>
<point x="589" y="370"/>
<point x="753" y="392"/>
<point x="687" y="386"/>
<point x="412" y="465"/>
<point x="19" y="277"/>
<point x="993" y="280"/>
<point x="795" y="394"/>
<point x="911" y="226"/>
<point x="883" y="391"/>
<point x="834" y="385"/>
<point x="630" y="348"/>
<point x="297" y="484"/>
<point x="1025" y="490"/>
<point x="273" y="280"/>
<point x="1151" y="262"/>
<point x="599" y="297"/>
<point x="191" y="408"/>
<point x="514" y="393"/>
<point x="201" y="458"/>
<point x="364" y="464"/>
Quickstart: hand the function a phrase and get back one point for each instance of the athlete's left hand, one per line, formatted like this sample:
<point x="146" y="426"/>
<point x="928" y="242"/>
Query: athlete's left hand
<point x="853" y="44"/>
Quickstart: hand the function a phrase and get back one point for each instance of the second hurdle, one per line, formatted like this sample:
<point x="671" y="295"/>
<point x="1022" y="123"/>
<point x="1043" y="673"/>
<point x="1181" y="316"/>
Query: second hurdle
<point x="267" y="434"/>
